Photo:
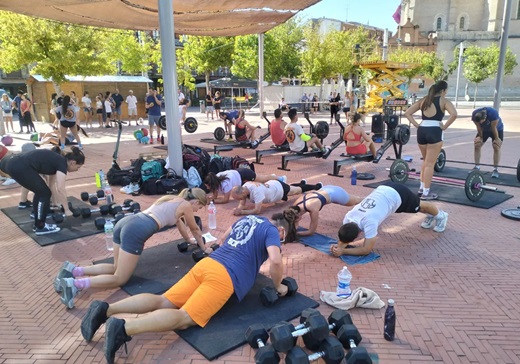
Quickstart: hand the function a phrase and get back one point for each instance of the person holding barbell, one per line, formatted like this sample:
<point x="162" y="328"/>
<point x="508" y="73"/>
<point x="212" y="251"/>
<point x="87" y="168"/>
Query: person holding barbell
<point x="300" y="142"/>
<point x="356" y="139"/>
<point x="229" y="118"/>
<point x="130" y="236"/>
<point x="26" y="169"/>
<point x="489" y="125"/>
<point x="68" y="121"/>
<point x="202" y="292"/>
<point x="367" y="215"/>
<point x="430" y="131"/>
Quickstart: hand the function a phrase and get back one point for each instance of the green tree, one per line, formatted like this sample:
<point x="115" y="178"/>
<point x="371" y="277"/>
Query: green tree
<point x="316" y="55"/>
<point x="433" y="67"/>
<point x="132" y="51"/>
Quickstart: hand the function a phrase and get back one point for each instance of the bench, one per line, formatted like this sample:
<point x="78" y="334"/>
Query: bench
<point x="349" y="159"/>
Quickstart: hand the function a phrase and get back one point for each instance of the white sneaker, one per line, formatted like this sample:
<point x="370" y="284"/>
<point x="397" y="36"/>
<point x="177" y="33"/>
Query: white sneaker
<point x="440" y="224"/>
<point x="282" y="179"/>
<point x="9" y="182"/>
<point x="131" y="188"/>
<point x="428" y="222"/>
<point x="64" y="272"/>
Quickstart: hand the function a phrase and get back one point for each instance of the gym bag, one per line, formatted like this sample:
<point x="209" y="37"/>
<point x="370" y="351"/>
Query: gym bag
<point x="151" y="169"/>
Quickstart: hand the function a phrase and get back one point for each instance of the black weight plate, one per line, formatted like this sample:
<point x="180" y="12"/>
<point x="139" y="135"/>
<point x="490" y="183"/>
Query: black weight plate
<point x="518" y="171"/>
<point x="441" y="161"/>
<point x="321" y="129"/>
<point x="162" y="122"/>
<point x="402" y="134"/>
<point x="191" y="125"/>
<point x="219" y="133"/>
<point x="513" y="214"/>
<point x="399" y="171"/>
<point x="365" y="176"/>
<point x="472" y="186"/>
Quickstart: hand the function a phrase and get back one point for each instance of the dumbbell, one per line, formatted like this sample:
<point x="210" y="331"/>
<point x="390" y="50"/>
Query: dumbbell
<point x="85" y="196"/>
<point x="103" y="210"/>
<point x="76" y="212"/>
<point x="330" y="350"/>
<point x="282" y="334"/>
<point x="336" y="320"/>
<point x="198" y="254"/>
<point x="185" y="245"/>
<point x="256" y="336"/>
<point x="269" y="296"/>
<point x="99" y="222"/>
<point x="350" y="338"/>
<point x="128" y="205"/>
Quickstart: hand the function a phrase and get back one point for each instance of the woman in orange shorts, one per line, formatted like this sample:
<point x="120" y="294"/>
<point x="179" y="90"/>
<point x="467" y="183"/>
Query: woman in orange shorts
<point x="358" y="141"/>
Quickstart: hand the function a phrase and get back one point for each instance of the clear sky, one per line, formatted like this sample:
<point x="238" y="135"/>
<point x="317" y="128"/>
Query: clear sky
<point x="377" y="13"/>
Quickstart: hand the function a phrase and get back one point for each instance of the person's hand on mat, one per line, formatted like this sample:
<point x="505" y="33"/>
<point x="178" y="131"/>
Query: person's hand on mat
<point x="282" y="290"/>
<point x="237" y="211"/>
<point x="208" y="251"/>
<point x="68" y="213"/>
<point x="335" y="250"/>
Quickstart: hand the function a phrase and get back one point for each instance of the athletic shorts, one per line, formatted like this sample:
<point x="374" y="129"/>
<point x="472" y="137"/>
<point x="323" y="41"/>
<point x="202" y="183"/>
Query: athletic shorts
<point x="246" y="174"/>
<point x="87" y="109"/>
<point x="429" y="135"/>
<point x="153" y="119"/>
<point x="99" y="111"/>
<point x="132" y="232"/>
<point x="209" y="108"/>
<point x="336" y="194"/>
<point x="132" y="111"/>
<point x="410" y="202"/>
<point x="488" y="134"/>
<point x="346" y="109"/>
<point x="286" y="189"/>
<point x="357" y="150"/>
<point x="202" y="291"/>
<point x="117" y="110"/>
<point x="242" y="138"/>
<point x="67" y="124"/>
<point x="304" y="150"/>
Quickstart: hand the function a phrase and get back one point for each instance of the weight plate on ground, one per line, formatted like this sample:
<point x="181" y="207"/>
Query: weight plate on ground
<point x="321" y="129"/>
<point x="191" y="125"/>
<point x="402" y="134"/>
<point x="162" y="122"/>
<point x="219" y="133"/>
<point x="399" y="171"/>
<point x="472" y="186"/>
<point x="518" y="171"/>
<point x="513" y="214"/>
<point x="441" y="161"/>
<point x="365" y="176"/>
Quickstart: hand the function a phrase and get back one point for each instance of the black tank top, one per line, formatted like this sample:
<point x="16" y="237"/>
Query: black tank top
<point x="439" y="115"/>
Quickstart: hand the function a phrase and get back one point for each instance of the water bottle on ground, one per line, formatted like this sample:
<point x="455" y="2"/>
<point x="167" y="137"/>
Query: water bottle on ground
<point x="344" y="276"/>
<point x="212" y="215"/>
<point x="101" y="175"/>
<point x="98" y="180"/>
<point x="353" y="176"/>
<point x="389" y="330"/>
<point x="109" y="234"/>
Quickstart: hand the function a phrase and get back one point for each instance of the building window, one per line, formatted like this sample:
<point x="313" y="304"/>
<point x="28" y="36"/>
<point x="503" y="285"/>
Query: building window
<point x="407" y="38"/>
<point x="461" y="23"/>
<point x="439" y="23"/>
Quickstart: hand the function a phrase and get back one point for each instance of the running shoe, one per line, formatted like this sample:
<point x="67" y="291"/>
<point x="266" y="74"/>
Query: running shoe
<point x="440" y="224"/>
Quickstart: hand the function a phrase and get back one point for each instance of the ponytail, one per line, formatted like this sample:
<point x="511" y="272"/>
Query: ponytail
<point x="434" y="90"/>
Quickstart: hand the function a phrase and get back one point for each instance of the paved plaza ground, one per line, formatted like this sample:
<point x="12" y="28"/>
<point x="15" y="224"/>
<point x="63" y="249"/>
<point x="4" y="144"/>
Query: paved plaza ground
<point x="457" y="293"/>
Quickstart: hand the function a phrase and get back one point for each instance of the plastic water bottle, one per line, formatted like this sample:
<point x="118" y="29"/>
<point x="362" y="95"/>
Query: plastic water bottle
<point x="212" y="215"/>
<point x="353" y="176"/>
<point x="344" y="277"/>
<point x="109" y="197"/>
<point x="389" y="331"/>
<point x="98" y="180"/>
<point x="109" y="234"/>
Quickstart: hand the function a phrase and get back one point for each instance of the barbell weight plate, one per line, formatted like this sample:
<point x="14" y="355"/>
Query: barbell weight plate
<point x="219" y="133"/>
<point x="401" y="134"/>
<point x="162" y="122"/>
<point x="518" y="171"/>
<point x="441" y="161"/>
<point x="399" y="171"/>
<point x="190" y="125"/>
<point x="321" y="129"/>
<point x="472" y="186"/>
<point x="513" y="214"/>
<point x="365" y="176"/>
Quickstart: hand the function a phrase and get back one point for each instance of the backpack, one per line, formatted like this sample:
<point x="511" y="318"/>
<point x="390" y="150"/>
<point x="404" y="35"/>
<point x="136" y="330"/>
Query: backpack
<point x="151" y="169"/>
<point x="192" y="177"/>
<point x="239" y="162"/>
<point x="196" y="157"/>
<point x="227" y="163"/>
<point x="216" y="165"/>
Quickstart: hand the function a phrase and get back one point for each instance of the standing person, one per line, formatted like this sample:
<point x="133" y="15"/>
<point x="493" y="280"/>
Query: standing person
<point x="347" y="103"/>
<point x="117" y="98"/>
<point x="7" y="112"/>
<point x="153" y="105"/>
<point x="315" y="103"/>
<point x="370" y="213"/>
<point x="300" y="142"/>
<point x="202" y="292"/>
<point x="229" y="118"/>
<point x="283" y="105"/>
<point x="217" y="100"/>
<point x="305" y="101"/>
<point x="430" y="131"/>
<point x="17" y="101"/>
<point x="74" y="103"/>
<point x="109" y="105"/>
<point x="246" y="97"/>
<point x="277" y="130"/>
<point x="130" y="236"/>
<point x="25" y="110"/>
<point x="356" y="139"/>
<point x="26" y="169"/>
<point x="209" y="106"/>
<point x="68" y="122"/>
<point x="180" y="96"/>
<point x="489" y="125"/>
<point x="131" y="101"/>
<point x="99" y="111"/>
<point x="54" y="105"/>
<point x="87" y="109"/>
<point x="334" y="106"/>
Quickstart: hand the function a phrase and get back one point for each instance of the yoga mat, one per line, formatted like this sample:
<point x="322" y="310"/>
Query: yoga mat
<point x="72" y="228"/>
<point x="323" y="243"/>
<point x="461" y="173"/>
<point x="161" y="266"/>
<point x="234" y="143"/>
<point x="455" y="194"/>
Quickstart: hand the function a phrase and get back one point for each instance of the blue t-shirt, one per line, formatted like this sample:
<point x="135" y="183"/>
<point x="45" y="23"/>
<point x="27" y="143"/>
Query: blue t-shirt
<point x="492" y="115"/>
<point x="233" y="114"/>
<point x="17" y="100"/>
<point x="155" y="109"/>
<point x="245" y="250"/>
<point x="118" y="99"/>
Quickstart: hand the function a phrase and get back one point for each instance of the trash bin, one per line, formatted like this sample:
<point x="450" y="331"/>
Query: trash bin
<point x="202" y="106"/>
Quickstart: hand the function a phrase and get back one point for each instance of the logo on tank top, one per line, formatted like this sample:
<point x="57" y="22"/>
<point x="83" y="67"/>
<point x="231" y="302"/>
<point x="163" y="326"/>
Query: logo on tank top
<point x="243" y="230"/>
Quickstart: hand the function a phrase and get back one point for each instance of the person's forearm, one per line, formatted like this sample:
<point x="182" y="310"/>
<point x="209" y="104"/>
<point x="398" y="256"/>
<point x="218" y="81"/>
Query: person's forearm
<point x="304" y="233"/>
<point x="62" y="198"/>
<point x="412" y="121"/>
<point x="254" y="211"/>
<point x="359" y="250"/>
<point x="276" y="273"/>
<point x="183" y="230"/>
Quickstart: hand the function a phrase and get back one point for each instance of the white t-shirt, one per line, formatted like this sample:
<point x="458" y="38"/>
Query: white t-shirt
<point x="131" y="100"/>
<point x="87" y="102"/>
<point x="293" y="132"/>
<point x="181" y="96"/>
<point x="373" y="210"/>
<point x="271" y="191"/>
<point x="108" y="107"/>
<point x="233" y="180"/>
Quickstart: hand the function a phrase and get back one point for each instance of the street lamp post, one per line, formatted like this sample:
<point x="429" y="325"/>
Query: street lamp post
<point x="461" y="52"/>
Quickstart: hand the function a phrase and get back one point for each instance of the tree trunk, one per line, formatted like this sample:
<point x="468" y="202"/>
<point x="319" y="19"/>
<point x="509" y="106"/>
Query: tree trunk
<point x="208" y="89"/>
<point x="475" y="96"/>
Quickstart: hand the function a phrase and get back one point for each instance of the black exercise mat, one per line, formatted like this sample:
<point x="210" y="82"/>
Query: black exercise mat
<point x="165" y="147"/>
<point x="161" y="266"/>
<point x="72" y="228"/>
<point x="234" y="143"/>
<point x="461" y="173"/>
<point x="454" y="194"/>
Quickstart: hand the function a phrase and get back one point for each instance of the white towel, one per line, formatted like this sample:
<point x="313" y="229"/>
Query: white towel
<point x="360" y="297"/>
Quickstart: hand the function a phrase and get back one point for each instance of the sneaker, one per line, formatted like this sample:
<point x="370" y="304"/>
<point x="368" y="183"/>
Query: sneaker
<point x="326" y="152"/>
<point x="428" y="222"/>
<point x="428" y="197"/>
<point x="254" y="144"/>
<point x="47" y="229"/>
<point x="24" y="205"/>
<point x="230" y="139"/>
<point x="115" y="337"/>
<point x="476" y="168"/>
<point x="80" y="146"/>
<point x="64" y="272"/>
<point x="282" y="179"/>
<point x="68" y="291"/>
<point x="319" y="186"/>
<point x="420" y="192"/>
<point x="95" y="317"/>
<point x="495" y="174"/>
<point x="131" y="188"/>
<point x="9" y="182"/>
<point x="440" y="224"/>
<point x="303" y="181"/>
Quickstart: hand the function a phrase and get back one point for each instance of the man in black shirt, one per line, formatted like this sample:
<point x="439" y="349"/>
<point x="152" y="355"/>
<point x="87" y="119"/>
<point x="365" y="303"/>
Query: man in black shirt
<point x="118" y="101"/>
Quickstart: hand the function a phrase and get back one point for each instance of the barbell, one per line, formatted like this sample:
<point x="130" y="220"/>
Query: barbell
<point x="190" y="124"/>
<point x="441" y="161"/>
<point x="474" y="185"/>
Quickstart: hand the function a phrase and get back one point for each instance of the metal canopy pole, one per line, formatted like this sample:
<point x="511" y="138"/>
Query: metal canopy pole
<point x="503" y="49"/>
<point x="169" y="71"/>
<point x="261" y="73"/>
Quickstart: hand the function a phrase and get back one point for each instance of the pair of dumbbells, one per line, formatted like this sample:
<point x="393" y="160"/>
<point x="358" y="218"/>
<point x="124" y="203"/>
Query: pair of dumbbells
<point x="198" y="254"/>
<point x="87" y="212"/>
<point x="100" y="221"/>
<point x="128" y="206"/>
<point x="93" y="198"/>
<point x="269" y="296"/>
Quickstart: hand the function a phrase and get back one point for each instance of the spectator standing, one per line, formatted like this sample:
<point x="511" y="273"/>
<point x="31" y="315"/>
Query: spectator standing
<point x="305" y="102"/>
<point x="25" y="108"/>
<point x="131" y="101"/>
<point x="216" y="103"/>
<point x="153" y="105"/>
<point x="87" y="109"/>
<point x="118" y="101"/>
<point x="7" y="110"/>
<point x="16" y="105"/>
<point x="315" y="103"/>
<point x="109" y="105"/>
<point x="99" y="110"/>
<point x="209" y="106"/>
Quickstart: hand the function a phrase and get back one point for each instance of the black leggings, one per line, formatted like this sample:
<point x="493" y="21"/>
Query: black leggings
<point x="30" y="179"/>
